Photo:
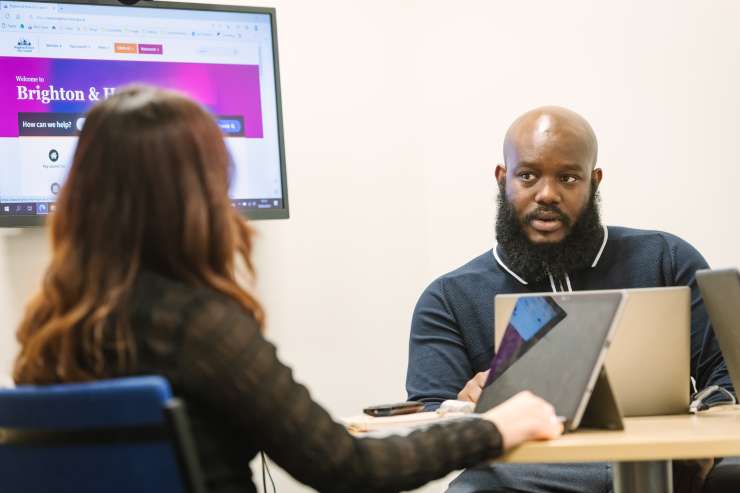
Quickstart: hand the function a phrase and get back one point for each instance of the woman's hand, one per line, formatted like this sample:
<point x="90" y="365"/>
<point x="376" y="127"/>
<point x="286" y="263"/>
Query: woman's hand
<point x="524" y="417"/>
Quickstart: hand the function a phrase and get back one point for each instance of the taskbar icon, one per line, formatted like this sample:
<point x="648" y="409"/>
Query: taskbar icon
<point x="27" y="208"/>
<point x="257" y="203"/>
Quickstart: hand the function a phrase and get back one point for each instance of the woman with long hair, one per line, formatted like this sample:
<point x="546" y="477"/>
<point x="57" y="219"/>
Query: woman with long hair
<point x="142" y="281"/>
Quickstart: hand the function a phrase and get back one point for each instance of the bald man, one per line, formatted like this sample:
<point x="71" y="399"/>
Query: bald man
<point x="550" y="239"/>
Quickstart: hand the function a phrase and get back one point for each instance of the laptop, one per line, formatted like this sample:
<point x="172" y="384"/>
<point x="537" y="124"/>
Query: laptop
<point x="648" y="363"/>
<point x="721" y="292"/>
<point x="555" y="345"/>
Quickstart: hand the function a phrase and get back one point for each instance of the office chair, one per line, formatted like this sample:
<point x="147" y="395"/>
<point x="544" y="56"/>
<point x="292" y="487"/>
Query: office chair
<point x="122" y="435"/>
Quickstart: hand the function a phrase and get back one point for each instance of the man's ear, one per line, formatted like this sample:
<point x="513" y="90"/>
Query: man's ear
<point x="596" y="176"/>
<point x="500" y="172"/>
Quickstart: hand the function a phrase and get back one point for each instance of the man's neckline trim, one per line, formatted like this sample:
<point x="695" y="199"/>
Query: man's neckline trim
<point x="505" y="267"/>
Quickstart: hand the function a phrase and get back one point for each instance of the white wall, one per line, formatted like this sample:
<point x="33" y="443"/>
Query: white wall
<point x="658" y="81"/>
<point x="394" y="115"/>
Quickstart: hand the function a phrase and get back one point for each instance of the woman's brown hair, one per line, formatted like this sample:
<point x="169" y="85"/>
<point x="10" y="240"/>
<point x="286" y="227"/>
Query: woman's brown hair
<point x="147" y="189"/>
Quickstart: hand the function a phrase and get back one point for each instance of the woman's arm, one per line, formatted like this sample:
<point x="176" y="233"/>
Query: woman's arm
<point x="232" y="368"/>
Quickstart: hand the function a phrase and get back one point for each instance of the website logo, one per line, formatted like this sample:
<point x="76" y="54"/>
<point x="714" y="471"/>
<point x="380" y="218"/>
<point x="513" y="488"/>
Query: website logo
<point x="24" y="45"/>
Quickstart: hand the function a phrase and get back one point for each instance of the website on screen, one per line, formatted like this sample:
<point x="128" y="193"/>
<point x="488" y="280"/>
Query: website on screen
<point x="56" y="60"/>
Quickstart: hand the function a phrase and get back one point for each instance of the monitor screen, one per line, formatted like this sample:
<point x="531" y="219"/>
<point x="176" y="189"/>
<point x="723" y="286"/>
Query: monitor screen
<point x="59" y="58"/>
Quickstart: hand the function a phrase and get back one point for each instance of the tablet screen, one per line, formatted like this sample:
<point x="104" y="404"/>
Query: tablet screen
<point x="532" y="318"/>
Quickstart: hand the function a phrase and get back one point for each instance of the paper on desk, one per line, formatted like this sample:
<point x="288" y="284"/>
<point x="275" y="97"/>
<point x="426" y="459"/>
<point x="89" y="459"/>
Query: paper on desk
<point x="400" y="424"/>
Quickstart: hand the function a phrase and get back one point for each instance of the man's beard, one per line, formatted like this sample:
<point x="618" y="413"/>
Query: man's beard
<point x="533" y="261"/>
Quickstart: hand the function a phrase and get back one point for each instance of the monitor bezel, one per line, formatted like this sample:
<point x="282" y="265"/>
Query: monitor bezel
<point x="277" y="213"/>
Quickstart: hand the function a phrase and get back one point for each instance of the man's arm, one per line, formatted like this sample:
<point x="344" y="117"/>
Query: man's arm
<point x="707" y="363"/>
<point x="439" y="366"/>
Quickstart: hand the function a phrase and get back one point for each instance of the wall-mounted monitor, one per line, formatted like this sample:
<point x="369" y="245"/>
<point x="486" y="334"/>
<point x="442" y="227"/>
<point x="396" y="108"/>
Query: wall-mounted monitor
<point x="58" y="58"/>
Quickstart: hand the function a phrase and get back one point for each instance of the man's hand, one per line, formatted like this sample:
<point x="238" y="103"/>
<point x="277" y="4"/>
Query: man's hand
<point x="471" y="391"/>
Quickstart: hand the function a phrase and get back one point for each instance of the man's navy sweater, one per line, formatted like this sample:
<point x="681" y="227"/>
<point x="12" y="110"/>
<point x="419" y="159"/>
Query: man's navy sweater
<point x="452" y="326"/>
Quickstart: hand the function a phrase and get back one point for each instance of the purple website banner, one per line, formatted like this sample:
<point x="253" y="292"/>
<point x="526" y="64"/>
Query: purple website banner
<point x="47" y="85"/>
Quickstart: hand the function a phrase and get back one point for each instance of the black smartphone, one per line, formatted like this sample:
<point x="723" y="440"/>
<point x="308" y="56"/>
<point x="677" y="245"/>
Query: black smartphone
<point x="394" y="409"/>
